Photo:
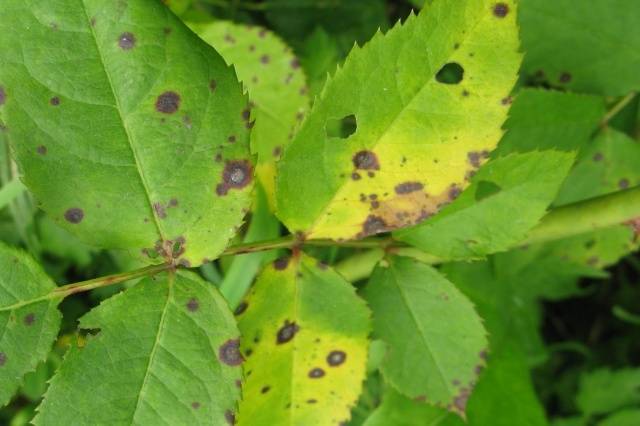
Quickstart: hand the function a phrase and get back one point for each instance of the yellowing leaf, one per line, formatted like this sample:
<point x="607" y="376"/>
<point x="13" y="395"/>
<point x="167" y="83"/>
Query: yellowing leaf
<point x="304" y="338"/>
<point x="276" y="84"/>
<point x="424" y="103"/>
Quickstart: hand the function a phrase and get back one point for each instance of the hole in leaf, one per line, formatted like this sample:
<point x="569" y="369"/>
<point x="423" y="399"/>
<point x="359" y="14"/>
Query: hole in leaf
<point x="486" y="189"/>
<point x="341" y="128"/>
<point x="451" y="73"/>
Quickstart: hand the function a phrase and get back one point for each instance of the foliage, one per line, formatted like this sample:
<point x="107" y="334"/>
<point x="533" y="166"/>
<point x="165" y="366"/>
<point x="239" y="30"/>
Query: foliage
<point x="319" y="212"/>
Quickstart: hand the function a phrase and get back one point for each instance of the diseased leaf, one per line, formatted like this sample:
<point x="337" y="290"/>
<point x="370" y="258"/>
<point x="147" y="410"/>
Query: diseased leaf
<point x="425" y="106"/>
<point x="604" y="391"/>
<point x="548" y="119"/>
<point x="436" y="342"/>
<point x="304" y="335"/>
<point x="163" y="352"/>
<point x="276" y="85"/>
<point x="121" y="120"/>
<point x="506" y="199"/>
<point x="29" y="318"/>
<point x="589" y="46"/>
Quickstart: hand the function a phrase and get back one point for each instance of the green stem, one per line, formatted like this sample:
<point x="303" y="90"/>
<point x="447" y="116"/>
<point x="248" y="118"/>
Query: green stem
<point x="619" y="106"/>
<point x="79" y="287"/>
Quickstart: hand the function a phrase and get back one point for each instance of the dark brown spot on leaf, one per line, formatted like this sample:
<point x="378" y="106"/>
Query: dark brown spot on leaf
<point x="408" y="187"/>
<point x="281" y="263"/>
<point x="265" y="59"/>
<point x="42" y="150"/>
<point x="230" y="417"/>
<point x="29" y="319"/>
<point x="336" y="358"/>
<point x="373" y="225"/>
<point x="295" y="64"/>
<point x="236" y="174"/>
<point x="316" y="373"/>
<point x="193" y="305"/>
<point x="3" y="359"/>
<point x="460" y="401"/>
<point x="265" y="389"/>
<point x="454" y="192"/>
<point x="565" y="77"/>
<point x="168" y="102"/>
<point x="500" y="10"/>
<point x="195" y="405"/>
<point x="229" y="352"/>
<point x="366" y="160"/>
<point x="355" y="176"/>
<point x="623" y="183"/>
<point x="231" y="139"/>
<point x="3" y="96"/>
<point x="126" y="41"/>
<point x="213" y="85"/>
<point x="74" y="215"/>
<point x="160" y="210"/>
<point x="55" y="101"/>
<point x="598" y="156"/>
<point x="241" y="308"/>
<point x="311" y="401"/>
<point x="287" y="332"/>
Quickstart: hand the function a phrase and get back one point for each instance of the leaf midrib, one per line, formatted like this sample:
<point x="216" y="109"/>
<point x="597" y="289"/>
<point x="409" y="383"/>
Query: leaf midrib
<point x="118" y="108"/>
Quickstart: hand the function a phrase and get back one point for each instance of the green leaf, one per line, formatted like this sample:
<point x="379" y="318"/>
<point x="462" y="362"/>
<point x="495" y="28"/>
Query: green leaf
<point x="29" y="318"/>
<point x="629" y="417"/>
<point x="548" y="119"/>
<point x="305" y="339"/>
<point x="604" y="391"/>
<point x="415" y="139"/>
<point x="121" y="119"/>
<point x="428" y="358"/>
<point x="583" y="46"/>
<point x="480" y="223"/>
<point x="276" y="85"/>
<point x="163" y="352"/>
<point x="398" y="410"/>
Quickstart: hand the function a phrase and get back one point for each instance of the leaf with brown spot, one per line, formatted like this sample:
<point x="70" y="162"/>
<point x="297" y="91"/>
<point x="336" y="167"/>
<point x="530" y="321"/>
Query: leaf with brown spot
<point x="433" y="333"/>
<point x="129" y="120"/>
<point x="412" y="124"/>
<point x="313" y="347"/>
<point x="29" y="319"/>
<point x="152" y="350"/>
<point x="275" y="95"/>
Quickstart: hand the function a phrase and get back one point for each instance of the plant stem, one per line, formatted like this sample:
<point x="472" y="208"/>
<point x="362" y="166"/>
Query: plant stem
<point x="70" y="289"/>
<point x="619" y="106"/>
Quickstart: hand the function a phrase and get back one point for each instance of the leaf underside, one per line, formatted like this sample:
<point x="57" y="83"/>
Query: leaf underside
<point x="162" y="352"/>
<point x="418" y="138"/>
<point x="305" y="342"/>
<point x="122" y="145"/>
<point x="29" y="323"/>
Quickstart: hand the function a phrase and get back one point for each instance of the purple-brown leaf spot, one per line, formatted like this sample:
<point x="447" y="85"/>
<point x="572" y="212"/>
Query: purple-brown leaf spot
<point x="500" y="10"/>
<point x="193" y="305"/>
<point x="74" y="215"/>
<point x="316" y="373"/>
<point x="230" y="417"/>
<point x="287" y="332"/>
<point x="336" y="358"/>
<point x="281" y="263"/>
<point x="42" y="150"/>
<point x="372" y="225"/>
<point x="365" y="160"/>
<point x="236" y="175"/>
<point x="229" y="353"/>
<point x="168" y="102"/>
<point x="460" y="401"/>
<point x="213" y="85"/>
<point x="623" y="183"/>
<point x="598" y="156"/>
<point x="408" y="187"/>
<point x="55" y="101"/>
<point x="264" y="59"/>
<point x="195" y="405"/>
<point x="160" y="210"/>
<point x="3" y="96"/>
<point x="3" y="359"/>
<point x="29" y="319"/>
<point x="127" y="41"/>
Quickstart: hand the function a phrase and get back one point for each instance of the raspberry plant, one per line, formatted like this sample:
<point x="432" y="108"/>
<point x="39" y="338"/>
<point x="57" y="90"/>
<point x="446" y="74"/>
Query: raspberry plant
<point x="187" y="141"/>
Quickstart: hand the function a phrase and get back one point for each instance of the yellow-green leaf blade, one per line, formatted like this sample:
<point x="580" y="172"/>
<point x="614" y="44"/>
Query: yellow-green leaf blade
<point x="416" y="138"/>
<point x="166" y="352"/>
<point x="120" y="119"/>
<point x="29" y="319"/>
<point x="304" y="336"/>
<point x="276" y="85"/>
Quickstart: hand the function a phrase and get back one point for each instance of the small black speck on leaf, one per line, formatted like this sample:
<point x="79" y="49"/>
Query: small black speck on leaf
<point x="281" y="263"/>
<point x="195" y="405"/>
<point x="230" y="417"/>
<point x="265" y="389"/>
<point x="42" y="150"/>
<point x="623" y="183"/>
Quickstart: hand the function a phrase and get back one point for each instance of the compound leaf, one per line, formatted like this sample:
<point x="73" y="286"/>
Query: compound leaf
<point x="121" y="120"/>
<point x="583" y="46"/>
<point x="305" y="339"/>
<point x="166" y="352"/>
<point x="276" y="85"/>
<point x="506" y="199"/>
<point x="29" y="319"/>
<point x="436" y="341"/>
<point x="420" y="108"/>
